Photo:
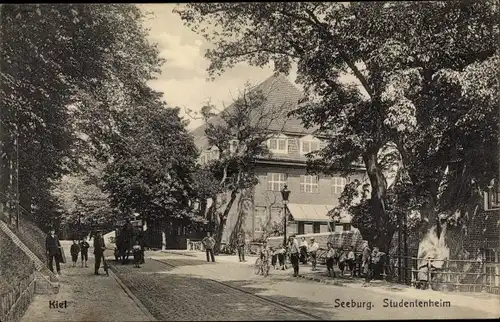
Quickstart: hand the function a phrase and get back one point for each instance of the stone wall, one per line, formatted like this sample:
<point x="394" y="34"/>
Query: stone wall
<point x="14" y="303"/>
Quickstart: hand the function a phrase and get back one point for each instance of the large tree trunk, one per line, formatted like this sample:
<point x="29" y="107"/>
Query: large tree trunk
<point x="223" y="220"/>
<point x="244" y="204"/>
<point x="382" y="233"/>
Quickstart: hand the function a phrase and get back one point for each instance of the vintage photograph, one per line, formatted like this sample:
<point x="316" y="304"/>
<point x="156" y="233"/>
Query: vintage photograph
<point x="247" y="161"/>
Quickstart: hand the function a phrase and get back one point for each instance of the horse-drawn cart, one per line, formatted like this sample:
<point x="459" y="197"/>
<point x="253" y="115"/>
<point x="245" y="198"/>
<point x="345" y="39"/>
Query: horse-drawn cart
<point x="127" y="233"/>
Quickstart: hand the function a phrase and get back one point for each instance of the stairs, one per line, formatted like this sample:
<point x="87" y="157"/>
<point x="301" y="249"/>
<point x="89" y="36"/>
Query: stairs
<point x="46" y="281"/>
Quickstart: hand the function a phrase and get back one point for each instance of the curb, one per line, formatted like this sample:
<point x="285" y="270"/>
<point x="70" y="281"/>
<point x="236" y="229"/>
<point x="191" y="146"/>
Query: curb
<point x="132" y="296"/>
<point x="178" y="253"/>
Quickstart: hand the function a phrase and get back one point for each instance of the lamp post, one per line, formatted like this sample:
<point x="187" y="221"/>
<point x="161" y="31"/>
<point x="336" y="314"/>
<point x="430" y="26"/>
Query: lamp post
<point x="285" y="193"/>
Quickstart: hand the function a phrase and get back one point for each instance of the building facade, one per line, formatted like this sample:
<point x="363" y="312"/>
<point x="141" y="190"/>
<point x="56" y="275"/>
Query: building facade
<point x="311" y="197"/>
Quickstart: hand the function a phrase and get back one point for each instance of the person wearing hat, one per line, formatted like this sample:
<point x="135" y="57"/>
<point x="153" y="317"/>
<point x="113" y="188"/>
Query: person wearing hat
<point x="293" y="245"/>
<point x="53" y="251"/>
<point x="313" y="251"/>
<point x="99" y="248"/>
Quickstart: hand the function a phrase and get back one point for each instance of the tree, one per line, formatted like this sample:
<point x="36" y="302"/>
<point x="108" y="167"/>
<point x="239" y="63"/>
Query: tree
<point x="83" y="200"/>
<point x="395" y="51"/>
<point x="59" y="65"/>
<point x="153" y="161"/>
<point x="238" y="134"/>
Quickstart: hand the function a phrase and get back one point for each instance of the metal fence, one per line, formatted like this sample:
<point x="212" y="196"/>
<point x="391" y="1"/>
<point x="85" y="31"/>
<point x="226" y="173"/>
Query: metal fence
<point x="444" y="275"/>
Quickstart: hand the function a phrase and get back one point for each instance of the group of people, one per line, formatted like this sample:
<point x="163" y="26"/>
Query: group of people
<point x="369" y="263"/>
<point x="55" y="253"/>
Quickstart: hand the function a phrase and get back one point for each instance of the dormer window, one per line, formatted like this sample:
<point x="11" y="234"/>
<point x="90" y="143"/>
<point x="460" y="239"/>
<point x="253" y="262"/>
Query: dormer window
<point x="309" y="144"/>
<point x="278" y="145"/>
<point x="209" y="155"/>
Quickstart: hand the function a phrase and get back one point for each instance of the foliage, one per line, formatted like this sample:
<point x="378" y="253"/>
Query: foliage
<point x="152" y="163"/>
<point x="414" y="63"/>
<point x="84" y="201"/>
<point x="67" y="71"/>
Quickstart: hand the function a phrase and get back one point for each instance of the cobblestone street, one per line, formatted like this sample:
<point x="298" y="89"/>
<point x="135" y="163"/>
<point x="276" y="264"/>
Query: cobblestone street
<point x="177" y="287"/>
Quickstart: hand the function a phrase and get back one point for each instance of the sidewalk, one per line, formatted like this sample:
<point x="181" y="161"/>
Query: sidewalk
<point x="84" y="296"/>
<point x="484" y="301"/>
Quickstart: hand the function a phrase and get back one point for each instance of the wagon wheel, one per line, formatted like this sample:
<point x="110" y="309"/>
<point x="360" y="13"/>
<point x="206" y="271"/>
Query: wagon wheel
<point x="258" y="266"/>
<point x="321" y="257"/>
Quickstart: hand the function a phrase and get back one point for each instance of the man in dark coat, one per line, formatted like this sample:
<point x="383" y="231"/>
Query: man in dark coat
<point x="53" y="250"/>
<point x="99" y="248"/>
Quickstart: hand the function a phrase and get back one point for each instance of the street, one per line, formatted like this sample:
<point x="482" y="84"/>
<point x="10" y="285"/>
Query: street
<point x="177" y="287"/>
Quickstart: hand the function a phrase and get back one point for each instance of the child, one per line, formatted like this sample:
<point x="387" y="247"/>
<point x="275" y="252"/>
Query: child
<point x="281" y="257"/>
<point x="74" y="250"/>
<point x="274" y="258"/>
<point x="137" y="254"/>
<point x="84" y="247"/>
<point x="342" y="262"/>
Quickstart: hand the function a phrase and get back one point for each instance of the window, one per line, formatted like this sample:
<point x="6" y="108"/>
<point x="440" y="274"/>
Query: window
<point x="316" y="228"/>
<point x="346" y="227"/>
<point x="489" y="255"/>
<point x="260" y="219"/>
<point x="309" y="184"/>
<point x="278" y="145"/>
<point x="276" y="181"/>
<point x="338" y="184"/>
<point x="309" y="146"/>
<point x="339" y="228"/>
<point x="301" y="228"/>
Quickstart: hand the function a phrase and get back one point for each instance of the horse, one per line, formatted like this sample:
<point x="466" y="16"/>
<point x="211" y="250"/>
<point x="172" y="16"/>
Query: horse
<point x="124" y="247"/>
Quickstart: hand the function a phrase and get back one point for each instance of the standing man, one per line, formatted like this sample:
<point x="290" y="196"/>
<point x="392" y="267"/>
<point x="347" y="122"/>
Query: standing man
<point x="209" y="243"/>
<point x="53" y="251"/>
<point x="84" y="248"/>
<point x="294" y="254"/>
<point x="313" y="251"/>
<point x="351" y="261"/>
<point x="366" y="261"/>
<point x="241" y="247"/>
<point x="99" y="248"/>
<point x="303" y="250"/>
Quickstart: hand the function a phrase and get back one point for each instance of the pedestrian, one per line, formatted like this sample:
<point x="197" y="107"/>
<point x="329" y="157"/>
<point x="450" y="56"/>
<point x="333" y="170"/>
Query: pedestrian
<point x="294" y="254"/>
<point x="303" y="250"/>
<point x="137" y="249"/>
<point x="351" y="261"/>
<point x="209" y="243"/>
<point x="99" y="247"/>
<point x="313" y="252"/>
<point x="366" y="260"/>
<point x="274" y="257"/>
<point x="281" y="257"/>
<point x="53" y="251"/>
<point x="74" y="250"/>
<point x="330" y="255"/>
<point x="241" y="247"/>
<point x="342" y="262"/>
<point x="84" y="249"/>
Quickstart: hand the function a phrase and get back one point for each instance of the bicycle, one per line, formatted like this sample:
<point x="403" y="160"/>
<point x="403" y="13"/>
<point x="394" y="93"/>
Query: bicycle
<point x="261" y="267"/>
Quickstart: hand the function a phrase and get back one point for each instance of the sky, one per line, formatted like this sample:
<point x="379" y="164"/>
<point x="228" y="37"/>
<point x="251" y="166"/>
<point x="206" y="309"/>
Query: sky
<point x="184" y="77"/>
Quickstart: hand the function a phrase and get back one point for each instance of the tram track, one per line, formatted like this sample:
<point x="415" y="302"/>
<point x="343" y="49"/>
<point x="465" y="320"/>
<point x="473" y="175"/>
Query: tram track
<point x="247" y="293"/>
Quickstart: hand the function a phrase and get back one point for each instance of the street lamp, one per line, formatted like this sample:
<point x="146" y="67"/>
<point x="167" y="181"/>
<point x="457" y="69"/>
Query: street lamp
<point x="285" y="193"/>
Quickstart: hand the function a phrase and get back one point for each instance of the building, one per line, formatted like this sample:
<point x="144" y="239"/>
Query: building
<point x="311" y="196"/>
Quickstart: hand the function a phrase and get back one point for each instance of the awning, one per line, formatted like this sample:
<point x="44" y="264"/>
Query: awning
<point x="314" y="213"/>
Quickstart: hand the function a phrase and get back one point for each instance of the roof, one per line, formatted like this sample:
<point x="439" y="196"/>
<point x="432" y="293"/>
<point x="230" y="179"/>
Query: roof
<point x="282" y="94"/>
<point x="279" y="93"/>
<point x="314" y="213"/>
